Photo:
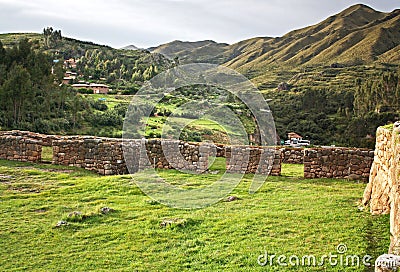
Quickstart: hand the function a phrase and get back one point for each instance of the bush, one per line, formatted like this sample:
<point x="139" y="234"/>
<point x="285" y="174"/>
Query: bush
<point x="108" y="118"/>
<point x="99" y="105"/>
<point x="85" y="91"/>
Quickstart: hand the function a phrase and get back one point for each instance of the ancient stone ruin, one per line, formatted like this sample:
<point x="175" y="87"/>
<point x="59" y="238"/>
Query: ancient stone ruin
<point x="292" y="155"/>
<point x="383" y="193"/>
<point x="349" y="163"/>
<point x="105" y="156"/>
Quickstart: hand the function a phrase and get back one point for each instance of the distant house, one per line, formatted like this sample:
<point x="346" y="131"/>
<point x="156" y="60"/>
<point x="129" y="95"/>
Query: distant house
<point x="70" y="74"/>
<point x="67" y="80"/>
<point x="69" y="77"/>
<point x="96" y="88"/>
<point x="296" y="140"/>
<point x="70" y="63"/>
<point x="99" y="88"/>
<point x="294" y="136"/>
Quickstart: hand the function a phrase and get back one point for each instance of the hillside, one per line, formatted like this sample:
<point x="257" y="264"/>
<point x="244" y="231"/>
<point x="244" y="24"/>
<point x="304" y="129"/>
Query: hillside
<point x="333" y="82"/>
<point x="123" y="70"/>
<point x="189" y="52"/>
<point x="356" y="36"/>
<point x="359" y="34"/>
<point x="317" y="68"/>
<point x="37" y="93"/>
<point x="130" y="47"/>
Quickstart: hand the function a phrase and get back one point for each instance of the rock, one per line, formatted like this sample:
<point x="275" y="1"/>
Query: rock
<point x="61" y="224"/>
<point x="74" y="214"/>
<point x="106" y="210"/>
<point x="354" y="177"/>
<point x="179" y="222"/>
<point x="232" y="198"/>
<point x="283" y="86"/>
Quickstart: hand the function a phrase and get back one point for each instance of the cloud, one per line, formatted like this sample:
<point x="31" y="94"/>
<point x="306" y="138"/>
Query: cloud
<point x="150" y="22"/>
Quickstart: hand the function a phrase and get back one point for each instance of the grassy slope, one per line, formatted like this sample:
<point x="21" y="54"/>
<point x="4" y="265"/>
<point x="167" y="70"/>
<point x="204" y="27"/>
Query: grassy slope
<point x="9" y="39"/>
<point x="288" y="215"/>
<point x="350" y="36"/>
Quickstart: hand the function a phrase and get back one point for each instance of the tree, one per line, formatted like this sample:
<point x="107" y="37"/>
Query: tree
<point x="137" y="76"/>
<point x="2" y="53"/>
<point x="51" y="37"/>
<point x="16" y="94"/>
<point x="77" y="105"/>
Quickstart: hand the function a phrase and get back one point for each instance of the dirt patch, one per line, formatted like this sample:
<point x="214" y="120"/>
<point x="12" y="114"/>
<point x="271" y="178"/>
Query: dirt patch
<point x="40" y="211"/>
<point x="6" y="179"/>
<point x="47" y="170"/>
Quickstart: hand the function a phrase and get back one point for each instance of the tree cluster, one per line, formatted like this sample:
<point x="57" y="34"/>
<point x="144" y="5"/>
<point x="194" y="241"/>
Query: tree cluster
<point x="30" y="96"/>
<point x="377" y="95"/>
<point x="51" y="37"/>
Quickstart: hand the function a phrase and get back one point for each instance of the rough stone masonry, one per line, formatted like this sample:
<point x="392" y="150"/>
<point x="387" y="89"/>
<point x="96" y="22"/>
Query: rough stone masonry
<point x="348" y="163"/>
<point x="383" y="193"/>
<point x="106" y="157"/>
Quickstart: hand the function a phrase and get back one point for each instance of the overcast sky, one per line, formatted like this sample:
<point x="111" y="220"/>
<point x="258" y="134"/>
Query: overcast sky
<point x="146" y="23"/>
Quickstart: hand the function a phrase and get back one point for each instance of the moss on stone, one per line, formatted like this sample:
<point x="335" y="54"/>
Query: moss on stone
<point x="389" y="127"/>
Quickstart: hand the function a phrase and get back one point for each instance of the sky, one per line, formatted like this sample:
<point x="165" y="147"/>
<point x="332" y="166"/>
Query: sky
<point x="146" y="23"/>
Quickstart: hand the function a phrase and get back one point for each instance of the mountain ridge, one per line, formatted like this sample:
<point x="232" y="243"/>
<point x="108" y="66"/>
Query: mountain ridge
<point x="358" y="34"/>
<point x="130" y="47"/>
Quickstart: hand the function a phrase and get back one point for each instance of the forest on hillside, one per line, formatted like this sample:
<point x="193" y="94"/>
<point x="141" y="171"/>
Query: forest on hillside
<point x="32" y="98"/>
<point x="339" y="117"/>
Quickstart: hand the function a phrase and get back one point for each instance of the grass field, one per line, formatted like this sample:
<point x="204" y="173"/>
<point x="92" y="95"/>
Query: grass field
<point x="289" y="215"/>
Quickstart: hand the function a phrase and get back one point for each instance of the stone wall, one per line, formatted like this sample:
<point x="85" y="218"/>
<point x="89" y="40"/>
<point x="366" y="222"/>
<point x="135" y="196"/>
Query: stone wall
<point x="220" y="150"/>
<point x="191" y="156"/>
<point x="45" y="140"/>
<point x="106" y="155"/>
<point x="292" y="155"/>
<point x="382" y="193"/>
<point x="255" y="160"/>
<point x="18" y="148"/>
<point x="378" y="190"/>
<point x="101" y="155"/>
<point x="338" y="163"/>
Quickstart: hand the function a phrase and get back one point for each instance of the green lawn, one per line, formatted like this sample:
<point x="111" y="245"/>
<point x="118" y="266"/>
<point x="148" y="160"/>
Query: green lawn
<point x="47" y="153"/>
<point x="111" y="100"/>
<point x="289" y="215"/>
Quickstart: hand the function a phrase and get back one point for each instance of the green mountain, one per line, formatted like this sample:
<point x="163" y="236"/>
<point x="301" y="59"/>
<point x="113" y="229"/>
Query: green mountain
<point x="359" y="34"/>
<point x="189" y="52"/>
<point x="333" y="82"/>
<point x="123" y="69"/>
<point x="131" y="47"/>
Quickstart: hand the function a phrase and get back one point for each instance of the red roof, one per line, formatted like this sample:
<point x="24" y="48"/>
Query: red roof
<point x="294" y="135"/>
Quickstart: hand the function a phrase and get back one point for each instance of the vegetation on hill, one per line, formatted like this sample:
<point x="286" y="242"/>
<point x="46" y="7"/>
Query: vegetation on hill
<point x="32" y="98"/>
<point x="334" y="82"/>
<point x="123" y="70"/>
<point x="190" y="52"/>
<point x="341" y="106"/>
<point x="29" y="99"/>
